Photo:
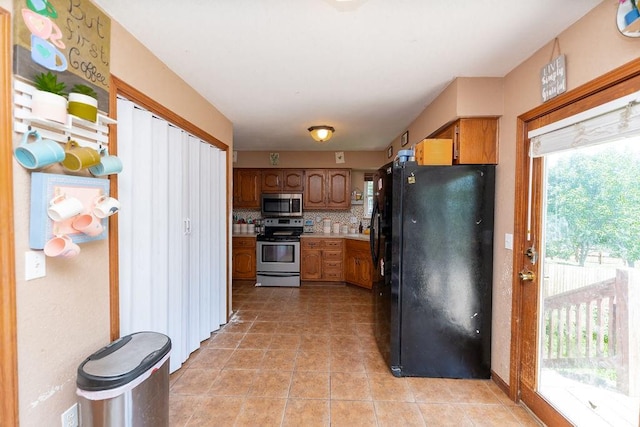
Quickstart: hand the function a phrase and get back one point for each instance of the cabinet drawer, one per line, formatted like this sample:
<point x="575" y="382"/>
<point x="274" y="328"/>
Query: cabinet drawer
<point x="332" y="275"/>
<point x="333" y="244"/>
<point x="310" y="243"/>
<point x="244" y="242"/>
<point x="331" y="266"/>
<point x="332" y="255"/>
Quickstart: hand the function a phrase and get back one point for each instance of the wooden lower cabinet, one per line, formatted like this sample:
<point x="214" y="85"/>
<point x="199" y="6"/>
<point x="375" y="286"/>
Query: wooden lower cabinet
<point x="358" y="264"/>
<point x="243" y="255"/>
<point x="321" y="259"/>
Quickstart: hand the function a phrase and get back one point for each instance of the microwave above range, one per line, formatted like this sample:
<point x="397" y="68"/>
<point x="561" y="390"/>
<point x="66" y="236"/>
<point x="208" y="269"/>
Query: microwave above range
<point x="281" y="205"/>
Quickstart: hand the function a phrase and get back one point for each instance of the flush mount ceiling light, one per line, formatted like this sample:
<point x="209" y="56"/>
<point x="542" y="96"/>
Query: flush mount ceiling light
<point x="321" y="133"/>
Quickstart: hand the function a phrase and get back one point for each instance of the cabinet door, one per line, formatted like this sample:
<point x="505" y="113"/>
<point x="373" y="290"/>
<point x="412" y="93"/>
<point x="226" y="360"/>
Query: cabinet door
<point x="314" y="189"/>
<point x="271" y="180"/>
<point x="364" y="270"/>
<point x="310" y="265"/>
<point x="244" y="263"/>
<point x="338" y="189"/>
<point x="246" y="188"/>
<point x="477" y="141"/>
<point x="350" y="267"/>
<point x="292" y="180"/>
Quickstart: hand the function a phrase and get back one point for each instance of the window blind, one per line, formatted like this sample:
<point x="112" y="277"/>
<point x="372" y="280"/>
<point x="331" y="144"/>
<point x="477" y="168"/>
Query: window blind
<point x="605" y="123"/>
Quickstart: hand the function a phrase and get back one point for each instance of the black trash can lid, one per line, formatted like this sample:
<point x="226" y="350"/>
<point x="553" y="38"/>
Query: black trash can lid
<point x="122" y="361"/>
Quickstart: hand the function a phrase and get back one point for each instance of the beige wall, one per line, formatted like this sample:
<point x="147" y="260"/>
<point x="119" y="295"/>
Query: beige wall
<point x="64" y="317"/>
<point x="365" y="160"/>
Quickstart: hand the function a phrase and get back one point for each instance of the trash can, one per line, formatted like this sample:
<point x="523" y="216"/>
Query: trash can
<point x="126" y="383"/>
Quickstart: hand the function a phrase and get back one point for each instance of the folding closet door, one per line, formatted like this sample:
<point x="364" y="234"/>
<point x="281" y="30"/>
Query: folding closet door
<point x="172" y="249"/>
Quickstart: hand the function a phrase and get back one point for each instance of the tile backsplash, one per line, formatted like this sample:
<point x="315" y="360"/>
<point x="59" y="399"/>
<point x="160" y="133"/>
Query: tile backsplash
<point x="342" y="217"/>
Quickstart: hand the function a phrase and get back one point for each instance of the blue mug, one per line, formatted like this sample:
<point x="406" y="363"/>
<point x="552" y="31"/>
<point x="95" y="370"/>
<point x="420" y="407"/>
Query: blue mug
<point x="39" y="153"/>
<point x="108" y="165"/>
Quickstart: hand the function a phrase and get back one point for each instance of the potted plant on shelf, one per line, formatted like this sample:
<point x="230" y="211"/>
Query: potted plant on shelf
<point x="83" y="102"/>
<point x="48" y="101"/>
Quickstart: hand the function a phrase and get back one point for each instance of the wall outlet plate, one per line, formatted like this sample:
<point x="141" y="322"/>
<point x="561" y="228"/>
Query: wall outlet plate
<point x="70" y="417"/>
<point x="34" y="265"/>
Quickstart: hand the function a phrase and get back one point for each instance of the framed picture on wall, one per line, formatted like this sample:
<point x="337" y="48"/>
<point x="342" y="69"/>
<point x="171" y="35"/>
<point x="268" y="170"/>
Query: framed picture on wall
<point x="405" y="139"/>
<point x="389" y="152"/>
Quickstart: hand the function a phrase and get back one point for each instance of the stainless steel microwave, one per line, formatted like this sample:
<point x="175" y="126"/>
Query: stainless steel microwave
<point x="277" y="204"/>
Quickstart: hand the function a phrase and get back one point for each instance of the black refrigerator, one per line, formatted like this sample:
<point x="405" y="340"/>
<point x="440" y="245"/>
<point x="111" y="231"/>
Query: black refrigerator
<point x="432" y="244"/>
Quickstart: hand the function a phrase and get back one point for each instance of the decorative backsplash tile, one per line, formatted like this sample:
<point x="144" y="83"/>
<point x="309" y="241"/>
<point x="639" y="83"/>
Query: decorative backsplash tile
<point x="342" y="217"/>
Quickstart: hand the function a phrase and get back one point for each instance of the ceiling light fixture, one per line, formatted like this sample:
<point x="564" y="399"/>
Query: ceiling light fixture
<point x="321" y="133"/>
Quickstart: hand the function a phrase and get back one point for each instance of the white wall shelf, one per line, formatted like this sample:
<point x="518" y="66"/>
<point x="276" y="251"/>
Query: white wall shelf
<point x="84" y="132"/>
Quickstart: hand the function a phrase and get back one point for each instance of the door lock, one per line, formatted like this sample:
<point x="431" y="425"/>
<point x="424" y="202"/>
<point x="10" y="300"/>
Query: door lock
<point x="527" y="275"/>
<point x="532" y="254"/>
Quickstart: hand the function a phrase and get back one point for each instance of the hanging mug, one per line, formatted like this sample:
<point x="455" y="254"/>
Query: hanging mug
<point x="39" y="152"/>
<point x="62" y="207"/>
<point x="77" y="157"/>
<point x="105" y="206"/>
<point x="61" y="246"/>
<point x="88" y="224"/>
<point x="108" y="165"/>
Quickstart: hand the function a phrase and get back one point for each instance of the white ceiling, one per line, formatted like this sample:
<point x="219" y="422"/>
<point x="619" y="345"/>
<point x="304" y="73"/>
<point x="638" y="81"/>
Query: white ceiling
<point x="368" y="67"/>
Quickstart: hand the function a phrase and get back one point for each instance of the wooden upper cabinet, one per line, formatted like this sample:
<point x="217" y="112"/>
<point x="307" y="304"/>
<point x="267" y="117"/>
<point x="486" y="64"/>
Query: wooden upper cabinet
<point x="314" y="189"/>
<point x="246" y="188"/>
<point x="282" y="180"/>
<point x="338" y="189"/>
<point x="327" y="189"/>
<point x="475" y="140"/>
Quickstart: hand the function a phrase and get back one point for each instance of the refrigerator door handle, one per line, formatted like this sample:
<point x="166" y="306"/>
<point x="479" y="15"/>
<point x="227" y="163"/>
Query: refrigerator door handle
<point x="374" y="233"/>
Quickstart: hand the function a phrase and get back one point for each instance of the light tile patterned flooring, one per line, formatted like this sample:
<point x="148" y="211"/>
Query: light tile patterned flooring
<point x="307" y="357"/>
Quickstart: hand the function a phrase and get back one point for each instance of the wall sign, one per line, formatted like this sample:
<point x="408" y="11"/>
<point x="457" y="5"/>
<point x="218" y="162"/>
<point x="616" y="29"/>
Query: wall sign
<point x="553" y="78"/>
<point x="71" y="38"/>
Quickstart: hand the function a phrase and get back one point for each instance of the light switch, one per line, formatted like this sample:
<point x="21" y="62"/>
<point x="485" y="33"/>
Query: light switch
<point x="35" y="265"/>
<point x="508" y="241"/>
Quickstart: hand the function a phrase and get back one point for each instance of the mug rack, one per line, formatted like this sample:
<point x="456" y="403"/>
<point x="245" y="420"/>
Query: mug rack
<point x="85" y="133"/>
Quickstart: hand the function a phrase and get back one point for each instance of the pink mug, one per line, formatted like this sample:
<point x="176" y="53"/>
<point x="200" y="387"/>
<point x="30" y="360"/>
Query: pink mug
<point x="88" y="224"/>
<point x="61" y="246"/>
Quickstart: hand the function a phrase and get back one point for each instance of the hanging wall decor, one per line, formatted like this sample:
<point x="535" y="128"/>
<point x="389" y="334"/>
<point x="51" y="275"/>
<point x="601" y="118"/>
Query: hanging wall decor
<point x="553" y="76"/>
<point x="68" y="38"/>
<point x="628" y="18"/>
<point x="72" y="206"/>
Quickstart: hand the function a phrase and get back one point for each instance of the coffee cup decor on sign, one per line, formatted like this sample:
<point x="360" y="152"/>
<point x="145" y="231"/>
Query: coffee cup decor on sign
<point x="61" y="246"/>
<point x="77" y="157"/>
<point x="108" y="165"/>
<point x="35" y="152"/>
<point x="62" y="207"/>
<point x="88" y="224"/>
<point x="105" y="206"/>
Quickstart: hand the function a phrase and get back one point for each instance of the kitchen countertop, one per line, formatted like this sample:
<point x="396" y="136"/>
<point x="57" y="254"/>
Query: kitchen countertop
<point x="336" y="236"/>
<point x="364" y="237"/>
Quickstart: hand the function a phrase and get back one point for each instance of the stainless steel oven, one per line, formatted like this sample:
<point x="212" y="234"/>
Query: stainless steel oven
<point x="278" y="252"/>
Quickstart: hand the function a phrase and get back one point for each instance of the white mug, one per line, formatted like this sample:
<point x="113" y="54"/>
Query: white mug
<point x="62" y="207"/>
<point x="61" y="246"/>
<point x="105" y="206"/>
<point x="88" y="224"/>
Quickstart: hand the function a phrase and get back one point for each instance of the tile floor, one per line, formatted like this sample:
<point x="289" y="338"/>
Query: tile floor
<point x="307" y="357"/>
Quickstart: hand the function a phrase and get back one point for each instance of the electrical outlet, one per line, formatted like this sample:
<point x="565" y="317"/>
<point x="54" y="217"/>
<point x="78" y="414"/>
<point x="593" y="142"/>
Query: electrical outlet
<point x="34" y="265"/>
<point x="70" y="416"/>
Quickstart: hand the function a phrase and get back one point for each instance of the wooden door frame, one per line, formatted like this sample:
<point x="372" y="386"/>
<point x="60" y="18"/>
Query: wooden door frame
<point x="8" y="322"/>
<point x="619" y="82"/>
<point x="119" y="87"/>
